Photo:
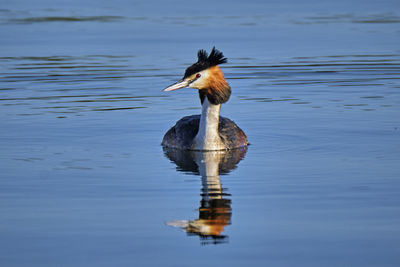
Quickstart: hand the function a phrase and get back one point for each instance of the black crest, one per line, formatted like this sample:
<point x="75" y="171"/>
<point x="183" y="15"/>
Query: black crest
<point x="205" y="61"/>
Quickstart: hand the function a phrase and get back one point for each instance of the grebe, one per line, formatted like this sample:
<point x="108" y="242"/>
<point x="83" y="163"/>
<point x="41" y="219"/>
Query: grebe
<point x="208" y="131"/>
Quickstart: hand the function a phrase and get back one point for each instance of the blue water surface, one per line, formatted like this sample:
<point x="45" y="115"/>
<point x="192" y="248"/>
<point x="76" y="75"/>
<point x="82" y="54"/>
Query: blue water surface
<point x="85" y="182"/>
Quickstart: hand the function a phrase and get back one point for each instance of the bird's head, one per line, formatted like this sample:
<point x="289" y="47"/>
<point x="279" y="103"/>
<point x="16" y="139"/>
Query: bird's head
<point x="207" y="77"/>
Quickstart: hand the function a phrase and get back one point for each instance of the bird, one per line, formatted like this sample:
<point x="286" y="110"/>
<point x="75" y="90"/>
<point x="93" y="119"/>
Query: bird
<point x="208" y="131"/>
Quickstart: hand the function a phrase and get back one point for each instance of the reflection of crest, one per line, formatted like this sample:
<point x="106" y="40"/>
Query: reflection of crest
<point x="215" y="207"/>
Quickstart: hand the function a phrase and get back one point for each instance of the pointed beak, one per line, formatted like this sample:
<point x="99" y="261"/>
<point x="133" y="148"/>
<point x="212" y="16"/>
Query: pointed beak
<point x="178" y="85"/>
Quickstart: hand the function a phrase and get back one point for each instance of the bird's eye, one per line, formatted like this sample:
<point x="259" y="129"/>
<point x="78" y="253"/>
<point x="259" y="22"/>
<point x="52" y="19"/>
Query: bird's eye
<point x="198" y="75"/>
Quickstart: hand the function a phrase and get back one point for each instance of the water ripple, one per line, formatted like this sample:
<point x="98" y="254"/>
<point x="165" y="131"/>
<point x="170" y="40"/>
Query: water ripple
<point x="75" y="85"/>
<point x="247" y="21"/>
<point x="378" y="18"/>
<point x="68" y="19"/>
<point x="364" y="78"/>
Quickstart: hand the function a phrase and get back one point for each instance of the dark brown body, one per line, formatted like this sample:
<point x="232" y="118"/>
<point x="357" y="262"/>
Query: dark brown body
<point x="181" y="135"/>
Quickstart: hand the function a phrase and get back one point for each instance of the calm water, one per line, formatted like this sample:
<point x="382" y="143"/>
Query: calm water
<point x="85" y="182"/>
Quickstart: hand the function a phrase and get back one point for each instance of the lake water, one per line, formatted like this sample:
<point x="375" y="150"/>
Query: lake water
<point x="85" y="182"/>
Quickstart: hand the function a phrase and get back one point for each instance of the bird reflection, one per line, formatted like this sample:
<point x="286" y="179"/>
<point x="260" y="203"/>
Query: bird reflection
<point x="215" y="206"/>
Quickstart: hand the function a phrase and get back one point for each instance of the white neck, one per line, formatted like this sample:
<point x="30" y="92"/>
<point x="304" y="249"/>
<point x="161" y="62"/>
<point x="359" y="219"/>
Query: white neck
<point x="208" y="138"/>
